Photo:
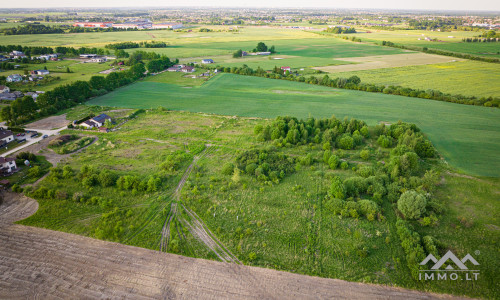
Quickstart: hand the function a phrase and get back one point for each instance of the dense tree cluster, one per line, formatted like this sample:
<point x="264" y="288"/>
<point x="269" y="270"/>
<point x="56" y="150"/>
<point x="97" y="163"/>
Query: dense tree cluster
<point x="32" y="29"/>
<point x="160" y="64"/>
<point x="265" y="164"/>
<point x="285" y="131"/>
<point x="442" y="52"/>
<point x="122" y="45"/>
<point x="354" y="83"/>
<point x="340" y="30"/>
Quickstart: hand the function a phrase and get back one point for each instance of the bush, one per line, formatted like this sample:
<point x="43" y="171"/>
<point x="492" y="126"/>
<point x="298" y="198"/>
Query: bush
<point x="333" y="162"/>
<point x="346" y="142"/>
<point x="412" y="204"/>
<point x="228" y="169"/>
<point x="337" y="189"/>
<point x="364" y="154"/>
<point x="344" y="165"/>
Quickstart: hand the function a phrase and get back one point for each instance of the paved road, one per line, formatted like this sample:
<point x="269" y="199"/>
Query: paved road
<point x="31" y="141"/>
<point x="37" y="263"/>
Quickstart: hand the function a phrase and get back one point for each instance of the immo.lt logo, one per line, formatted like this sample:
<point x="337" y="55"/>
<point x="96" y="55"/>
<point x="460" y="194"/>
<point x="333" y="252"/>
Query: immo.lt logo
<point x="449" y="267"/>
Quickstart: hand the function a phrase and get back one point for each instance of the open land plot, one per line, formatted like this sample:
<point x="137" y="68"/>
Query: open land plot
<point x="449" y="41"/>
<point x="49" y="123"/>
<point x="273" y="221"/>
<point x="470" y="78"/>
<point x="386" y="61"/>
<point x="466" y="136"/>
<point x="118" y="271"/>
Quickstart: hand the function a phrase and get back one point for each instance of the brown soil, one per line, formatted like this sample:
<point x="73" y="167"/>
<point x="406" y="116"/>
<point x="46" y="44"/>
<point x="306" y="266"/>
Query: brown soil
<point x="37" y="263"/>
<point x="49" y="123"/>
<point x="387" y="61"/>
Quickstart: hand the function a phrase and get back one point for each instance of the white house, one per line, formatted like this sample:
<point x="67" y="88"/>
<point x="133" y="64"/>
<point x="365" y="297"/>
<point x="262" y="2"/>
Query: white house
<point x="6" y="136"/>
<point x="284" y="69"/>
<point x="42" y="72"/>
<point x="96" y="121"/>
<point x="14" y="78"/>
<point x="99" y="59"/>
<point x="4" y="89"/>
<point x="7" y="165"/>
<point x="207" y="61"/>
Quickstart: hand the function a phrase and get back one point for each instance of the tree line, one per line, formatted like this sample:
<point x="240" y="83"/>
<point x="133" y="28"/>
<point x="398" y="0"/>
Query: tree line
<point x="442" y="52"/>
<point x="130" y="45"/>
<point x="354" y="83"/>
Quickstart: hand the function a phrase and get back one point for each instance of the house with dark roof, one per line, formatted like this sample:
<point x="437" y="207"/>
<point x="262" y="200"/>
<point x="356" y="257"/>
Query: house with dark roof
<point x="4" y="89"/>
<point x="207" y="61"/>
<point x="96" y="121"/>
<point x="188" y="69"/>
<point x="6" y="136"/>
<point x="7" y="165"/>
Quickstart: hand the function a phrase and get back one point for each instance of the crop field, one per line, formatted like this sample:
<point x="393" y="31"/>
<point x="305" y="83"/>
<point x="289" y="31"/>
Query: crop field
<point x="472" y="78"/>
<point x="450" y="41"/>
<point x="386" y="61"/>
<point x="468" y="137"/>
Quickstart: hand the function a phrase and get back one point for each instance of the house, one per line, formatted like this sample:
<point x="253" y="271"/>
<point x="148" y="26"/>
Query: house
<point x="96" y="121"/>
<point x="6" y="135"/>
<point x="41" y="72"/>
<point x="244" y="53"/>
<point x="8" y="96"/>
<point x="14" y="78"/>
<point x="207" y="61"/>
<point x="188" y="69"/>
<point x="7" y="165"/>
<point x="17" y="54"/>
<point x="88" y="55"/>
<point x="4" y="89"/>
<point x="173" y="69"/>
<point x="99" y="59"/>
<point x="284" y="69"/>
<point x="48" y="56"/>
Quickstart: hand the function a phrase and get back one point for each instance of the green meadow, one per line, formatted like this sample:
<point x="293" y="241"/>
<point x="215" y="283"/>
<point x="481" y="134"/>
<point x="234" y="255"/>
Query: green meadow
<point x="471" y="78"/>
<point x="467" y="136"/>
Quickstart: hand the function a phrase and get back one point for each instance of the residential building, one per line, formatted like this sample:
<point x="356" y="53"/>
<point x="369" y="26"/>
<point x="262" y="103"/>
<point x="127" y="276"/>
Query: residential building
<point x="284" y="69"/>
<point x="7" y="165"/>
<point x="188" y="69"/>
<point x="41" y="72"/>
<point x="96" y="121"/>
<point x="207" y="61"/>
<point x="99" y="59"/>
<point x="6" y="136"/>
<point x="14" y="78"/>
<point x="4" y="89"/>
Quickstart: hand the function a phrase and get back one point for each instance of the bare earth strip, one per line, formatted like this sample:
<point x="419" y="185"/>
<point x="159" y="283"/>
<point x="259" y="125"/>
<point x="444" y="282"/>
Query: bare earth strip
<point x="37" y="263"/>
<point x="49" y="123"/>
<point x="387" y="61"/>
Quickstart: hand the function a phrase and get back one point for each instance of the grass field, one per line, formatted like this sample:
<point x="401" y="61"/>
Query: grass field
<point x="79" y="71"/>
<point x="454" y="44"/>
<point x="278" y="223"/>
<point x="471" y="78"/>
<point x="468" y="137"/>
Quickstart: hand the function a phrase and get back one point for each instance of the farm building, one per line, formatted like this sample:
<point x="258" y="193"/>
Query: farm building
<point x="88" y="55"/>
<point x="7" y="165"/>
<point x="47" y="56"/>
<point x="14" y="78"/>
<point x="167" y="26"/>
<point x="138" y="25"/>
<point x="99" y="59"/>
<point x="207" y="61"/>
<point x="93" y="24"/>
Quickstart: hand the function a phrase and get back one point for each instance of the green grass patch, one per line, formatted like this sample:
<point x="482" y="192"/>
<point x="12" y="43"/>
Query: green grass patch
<point x="468" y="137"/>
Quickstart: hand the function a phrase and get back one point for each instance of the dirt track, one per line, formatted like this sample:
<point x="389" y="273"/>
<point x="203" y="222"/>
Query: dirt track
<point x="43" y="264"/>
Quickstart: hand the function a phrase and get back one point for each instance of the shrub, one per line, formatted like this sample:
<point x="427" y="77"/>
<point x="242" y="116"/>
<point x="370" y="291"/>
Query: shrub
<point x="412" y="204"/>
<point x="384" y="141"/>
<point x="344" y="165"/>
<point x="228" y="169"/>
<point x="346" y="142"/>
<point x="337" y="189"/>
<point x="333" y="162"/>
<point x="364" y="154"/>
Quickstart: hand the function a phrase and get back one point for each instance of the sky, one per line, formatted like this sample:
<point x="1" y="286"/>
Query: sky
<point x="486" y="5"/>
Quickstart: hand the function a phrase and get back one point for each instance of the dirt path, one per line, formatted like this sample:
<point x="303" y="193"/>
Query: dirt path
<point x="37" y="263"/>
<point x="191" y="221"/>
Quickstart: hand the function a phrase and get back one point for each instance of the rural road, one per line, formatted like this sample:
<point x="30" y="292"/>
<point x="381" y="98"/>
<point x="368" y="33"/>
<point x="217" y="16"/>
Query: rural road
<point x="43" y="264"/>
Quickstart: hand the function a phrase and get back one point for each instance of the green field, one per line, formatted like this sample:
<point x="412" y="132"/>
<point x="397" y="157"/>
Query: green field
<point x="286" y="226"/>
<point x="471" y="78"/>
<point x="450" y="41"/>
<point x="467" y="136"/>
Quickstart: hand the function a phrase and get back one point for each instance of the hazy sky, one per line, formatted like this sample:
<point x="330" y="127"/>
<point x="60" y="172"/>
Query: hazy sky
<point x="488" y="5"/>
